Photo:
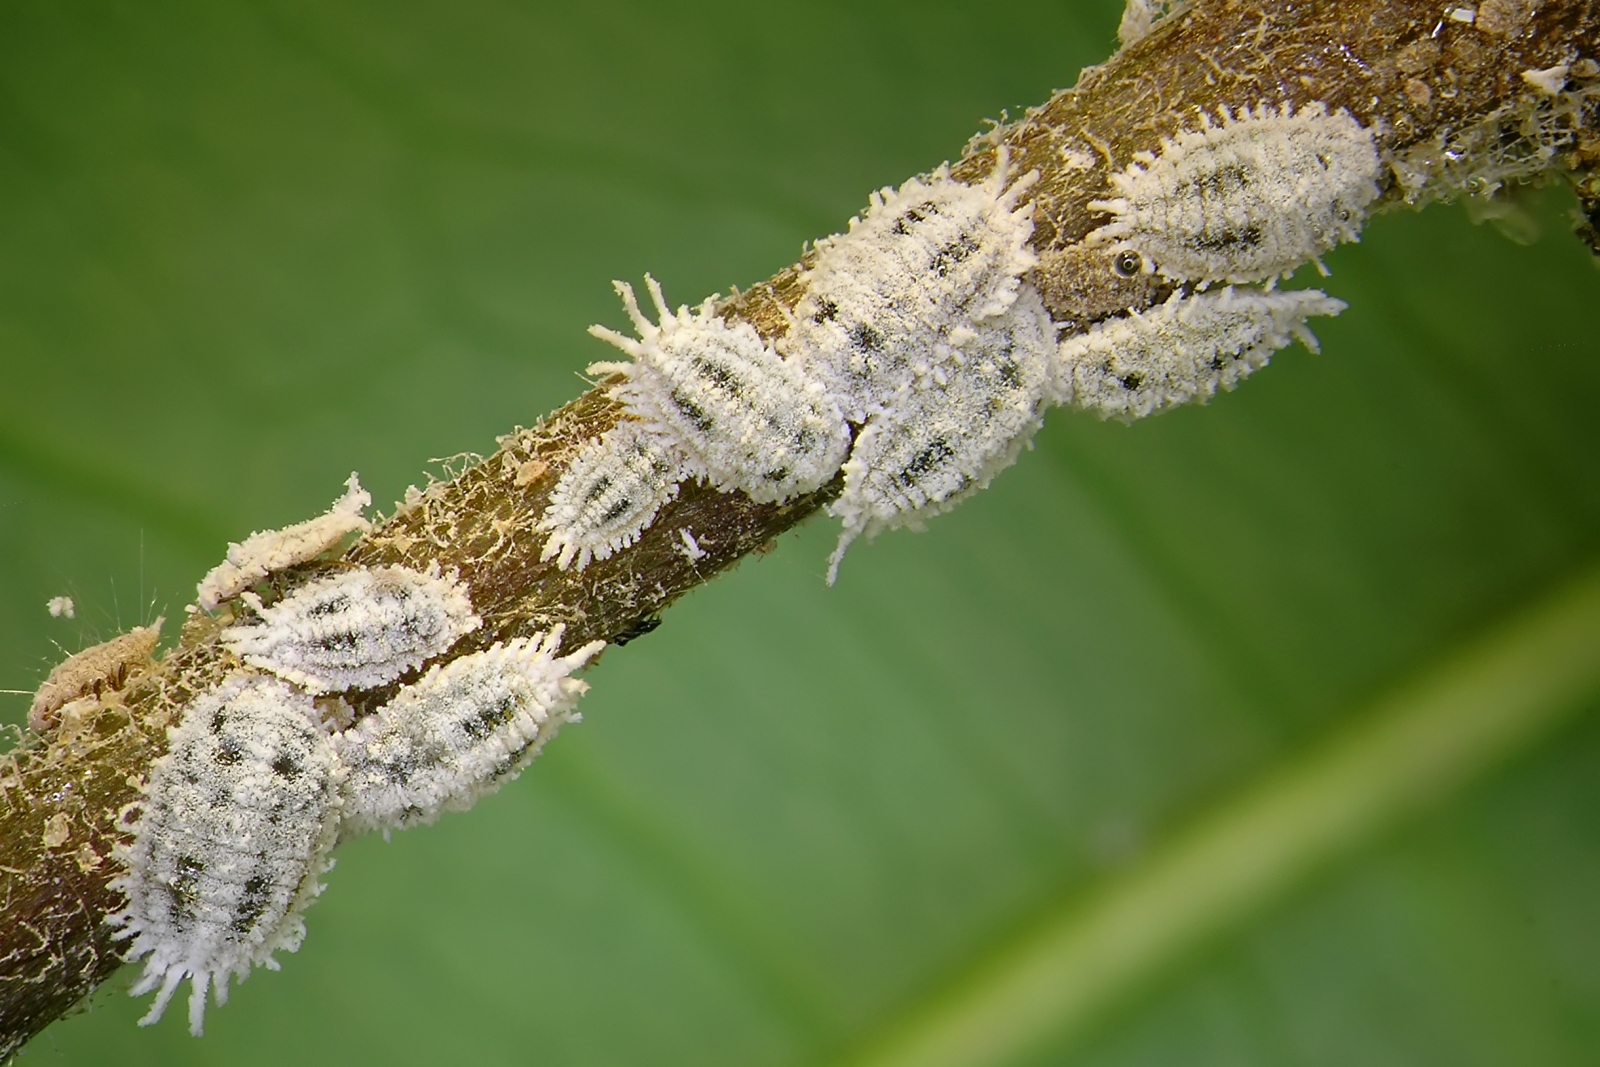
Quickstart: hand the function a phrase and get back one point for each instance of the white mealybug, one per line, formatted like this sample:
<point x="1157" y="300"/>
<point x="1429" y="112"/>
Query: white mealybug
<point x="745" y="417"/>
<point x="1182" y="350"/>
<point x="609" y="493"/>
<point x="930" y="257"/>
<point x="357" y="629"/>
<point x="941" y="441"/>
<point x="458" y="732"/>
<point x="230" y="841"/>
<point x="1248" y="199"/>
<point x="270" y="551"/>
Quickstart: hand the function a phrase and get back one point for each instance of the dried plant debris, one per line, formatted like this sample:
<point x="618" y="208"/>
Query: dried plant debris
<point x="229" y="841"/>
<point x="359" y="629"/>
<point x="1183" y="350"/>
<point x="61" y="607"/>
<point x="931" y="257"/>
<point x="946" y="436"/>
<point x="609" y="494"/>
<point x="459" y="732"/>
<point x="740" y="414"/>
<point x="270" y="551"/>
<point x="1246" y="198"/>
<point x="101" y="668"/>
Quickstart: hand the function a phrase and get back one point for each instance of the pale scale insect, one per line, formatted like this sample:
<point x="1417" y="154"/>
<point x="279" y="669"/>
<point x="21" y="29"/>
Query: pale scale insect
<point x="357" y="629"/>
<point x="744" y="417"/>
<point x="1248" y="198"/>
<point x="609" y="493"/>
<point x="458" y="732"/>
<point x="98" y="668"/>
<point x="933" y="256"/>
<point x="940" y="442"/>
<point x="1183" y="350"/>
<point x="229" y="842"/>
<point x="269" y="551"/>
<point x="1085" y="283"/>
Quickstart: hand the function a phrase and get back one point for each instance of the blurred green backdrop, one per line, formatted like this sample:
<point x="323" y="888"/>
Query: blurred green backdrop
<point x="246" y="247"/>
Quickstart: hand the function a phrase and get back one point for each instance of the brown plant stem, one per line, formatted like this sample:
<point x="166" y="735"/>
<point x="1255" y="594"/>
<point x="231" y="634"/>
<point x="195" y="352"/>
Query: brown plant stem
<point x="1419" y="78"/>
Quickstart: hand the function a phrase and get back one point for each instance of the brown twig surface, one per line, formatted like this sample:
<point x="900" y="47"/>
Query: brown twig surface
<point x="1451" y="108"/>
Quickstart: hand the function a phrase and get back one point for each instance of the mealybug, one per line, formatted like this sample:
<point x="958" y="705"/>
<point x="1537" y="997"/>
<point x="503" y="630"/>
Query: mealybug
<point x="609" y="493"/>
<point x="357" y="629"/>
<point x="230" y="840"/>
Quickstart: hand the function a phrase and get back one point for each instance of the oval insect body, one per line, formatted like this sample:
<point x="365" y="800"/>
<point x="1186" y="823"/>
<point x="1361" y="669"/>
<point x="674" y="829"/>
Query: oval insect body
<point x="923" y="260"/>
<point x="1247" y="198"/>
<point x="458" y="732"/>
<point x="744" y="417"/>
<point x="232" y="836"/>
<point x="941" y="441"/>
<point x="1183" y="350"/>
<point x="356" y="630"/>
<point x="609" y="494"/>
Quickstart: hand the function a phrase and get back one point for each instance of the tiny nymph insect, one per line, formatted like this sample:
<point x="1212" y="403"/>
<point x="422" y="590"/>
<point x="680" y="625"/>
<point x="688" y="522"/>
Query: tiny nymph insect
<point x="609" y="494"/>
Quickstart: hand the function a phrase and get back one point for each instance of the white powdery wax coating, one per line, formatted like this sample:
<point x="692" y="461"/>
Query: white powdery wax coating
<point x="1249" y="199"/>
<point x="743" y="416"/>
<point x="459" y="732"/>
<point x="931" y="257"/>
<point x="943" y="440"/>
<point x="609" y="493"/>
<point x="1183" y="350"/>
<point x="356" y="630"/>
<point x="270" y="551"/>
<point x="232" y="836"/>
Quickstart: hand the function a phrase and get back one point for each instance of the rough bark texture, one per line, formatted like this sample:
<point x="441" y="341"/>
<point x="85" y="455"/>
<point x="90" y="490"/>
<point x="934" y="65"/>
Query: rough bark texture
<point x="1451" y="108"/>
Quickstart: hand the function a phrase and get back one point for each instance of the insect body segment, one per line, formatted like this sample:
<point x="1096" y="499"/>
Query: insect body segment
<point x="1248" y="198"/>
<point x="356" y="630"/>
<point x="742" y="416"/>
<point x="232" y="837"/>
<point x="459" y="732"/>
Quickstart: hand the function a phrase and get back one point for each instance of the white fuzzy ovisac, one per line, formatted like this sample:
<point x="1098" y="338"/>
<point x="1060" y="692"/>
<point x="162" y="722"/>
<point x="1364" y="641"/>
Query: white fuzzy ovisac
<point x="269" y="551"/>
<point x="609" y="494"/>
<point x="1246" y="198"/>
<point x="358" y="629"/>
<point x="1183" y="350"/>
<point x="944" y="437"/>
<point x="230" y="841"/>
<point x="744" y="417"/>
<point x="934" y="256"/>
<point x="460" y="731"/>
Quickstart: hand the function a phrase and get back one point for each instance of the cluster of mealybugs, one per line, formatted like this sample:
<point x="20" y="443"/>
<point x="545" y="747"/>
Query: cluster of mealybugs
<point x="919" y="362"/>
<point x="921" y="357"/>
<point x="237" y="820"/>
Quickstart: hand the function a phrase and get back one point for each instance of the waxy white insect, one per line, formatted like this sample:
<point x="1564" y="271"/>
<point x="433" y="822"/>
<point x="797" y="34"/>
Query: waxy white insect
<point x="95" y="669"/>
<point x="1184" y="349"/>
<point x="270" y="551"/>
<point x="609" y="494"/>
<point x="934" y="256"/>
<point x="230" y="841"/>
<point x="744" y="417"/>
<point x="1248" y="198"/>
<point x="459" y="732"/>
<point x="357" y="629"/>
<point x="946" y="437"/>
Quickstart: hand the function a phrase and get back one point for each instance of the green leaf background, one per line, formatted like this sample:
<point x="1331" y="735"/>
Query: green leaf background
<point x="246" y="247"/>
